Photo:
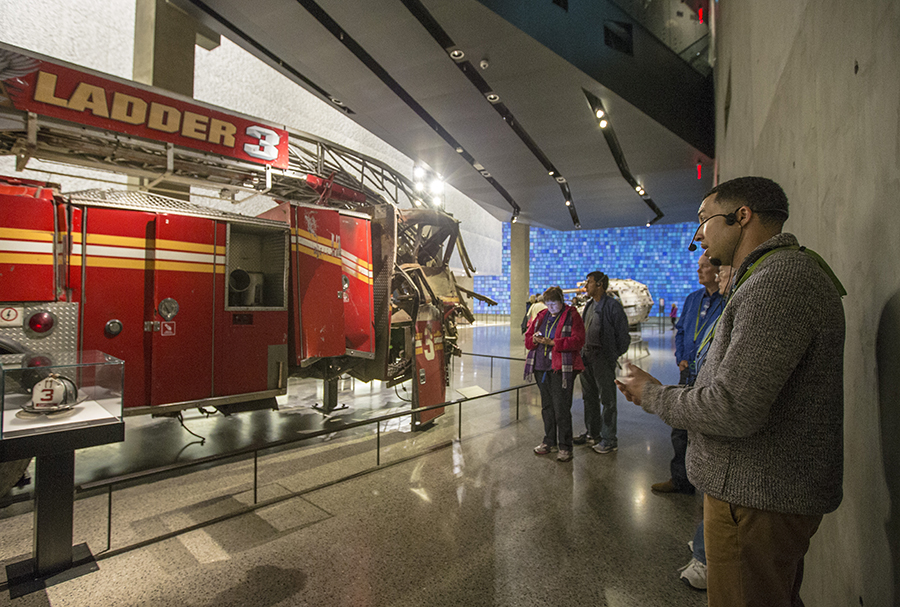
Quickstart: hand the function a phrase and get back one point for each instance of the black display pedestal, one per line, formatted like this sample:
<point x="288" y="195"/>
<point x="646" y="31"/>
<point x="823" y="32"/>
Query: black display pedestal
<point x="54" y="560"/>
<point x="23" y="579"/>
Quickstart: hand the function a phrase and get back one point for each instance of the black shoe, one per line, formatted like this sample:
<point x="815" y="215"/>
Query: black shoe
<point x="581" y="439"/>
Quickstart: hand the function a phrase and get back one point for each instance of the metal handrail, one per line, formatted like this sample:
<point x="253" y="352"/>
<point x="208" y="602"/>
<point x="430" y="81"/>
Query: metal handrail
<point x="111" y="482"/>
<point x="492" y="357"/>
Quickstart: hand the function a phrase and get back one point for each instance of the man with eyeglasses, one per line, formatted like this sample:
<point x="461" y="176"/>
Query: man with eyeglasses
<point x="765" y="415"/>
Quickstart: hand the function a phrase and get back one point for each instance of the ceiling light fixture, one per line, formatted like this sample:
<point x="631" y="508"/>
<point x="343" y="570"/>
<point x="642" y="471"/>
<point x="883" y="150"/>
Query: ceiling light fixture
<point x="596" y="107"/>
<point x="493" y="97"/>
<point x="457" y="55"/>
<point x="568" y="203"/>
<point x="337" y="101"/>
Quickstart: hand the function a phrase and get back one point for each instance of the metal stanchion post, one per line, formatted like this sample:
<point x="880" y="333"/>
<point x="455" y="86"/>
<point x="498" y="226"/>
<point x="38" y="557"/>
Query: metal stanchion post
<point x="109" y="519"/>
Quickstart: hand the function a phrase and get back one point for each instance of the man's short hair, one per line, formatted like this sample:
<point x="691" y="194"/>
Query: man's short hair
<point x="600" y="278"/>
<point x="762" y="195"/>
<point x="554" y="294"/>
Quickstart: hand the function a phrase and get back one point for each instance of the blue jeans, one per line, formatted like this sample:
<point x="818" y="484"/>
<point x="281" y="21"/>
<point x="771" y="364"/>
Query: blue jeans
<point x="598" y="385"/>
<point x="677" y="467"/>
<point x="699" y="547"/>
<point x="556" y="408"/>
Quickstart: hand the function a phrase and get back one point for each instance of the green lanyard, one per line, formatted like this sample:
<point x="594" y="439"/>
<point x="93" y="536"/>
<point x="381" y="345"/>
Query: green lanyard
<point x="749" y="272"/>
<point x="698" y="328"/>
<point x="550" y="330"/>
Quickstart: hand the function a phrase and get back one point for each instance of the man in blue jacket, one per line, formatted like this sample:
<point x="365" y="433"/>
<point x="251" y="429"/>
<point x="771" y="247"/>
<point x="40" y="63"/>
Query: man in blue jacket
<point x="700" y="311"/>
<point x="606" y="339"/>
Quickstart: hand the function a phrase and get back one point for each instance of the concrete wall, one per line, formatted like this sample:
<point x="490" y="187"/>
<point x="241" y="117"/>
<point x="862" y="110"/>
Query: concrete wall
<point x="815" y="104"/>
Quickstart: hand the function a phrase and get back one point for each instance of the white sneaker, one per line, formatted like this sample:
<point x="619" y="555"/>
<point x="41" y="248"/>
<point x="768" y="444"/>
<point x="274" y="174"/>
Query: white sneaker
<point x="694" y="574"/>
<point x="691" y="546"/>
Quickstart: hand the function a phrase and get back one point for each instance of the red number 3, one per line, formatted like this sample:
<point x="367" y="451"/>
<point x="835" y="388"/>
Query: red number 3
<point x="47" y="395"/>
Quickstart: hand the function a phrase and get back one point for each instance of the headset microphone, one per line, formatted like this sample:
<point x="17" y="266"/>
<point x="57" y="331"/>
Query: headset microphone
<point x="730" y="220"/>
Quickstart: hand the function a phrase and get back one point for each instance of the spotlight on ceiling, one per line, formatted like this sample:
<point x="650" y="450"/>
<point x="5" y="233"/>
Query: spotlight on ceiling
<point x="437" y="186"/>
<point x="493" y="97"/>
<point x="457" y="54"/>
<point x="418" y="172"/>
<point x="604" y="123"/>
<point x="337" y="101"/>
<point x="600" y="113"/>
<point x="560" y="179"/>
<point x="568" y="203"/>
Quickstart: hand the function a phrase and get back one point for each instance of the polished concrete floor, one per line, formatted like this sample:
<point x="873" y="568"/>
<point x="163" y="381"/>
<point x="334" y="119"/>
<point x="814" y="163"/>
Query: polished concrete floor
<point x="386" y="517"/>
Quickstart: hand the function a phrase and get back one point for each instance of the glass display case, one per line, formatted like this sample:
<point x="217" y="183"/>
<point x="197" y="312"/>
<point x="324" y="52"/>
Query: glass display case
<point x="59" y="392"/>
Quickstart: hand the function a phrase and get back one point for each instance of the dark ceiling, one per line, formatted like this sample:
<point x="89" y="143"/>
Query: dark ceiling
<point x="388" y="62"/>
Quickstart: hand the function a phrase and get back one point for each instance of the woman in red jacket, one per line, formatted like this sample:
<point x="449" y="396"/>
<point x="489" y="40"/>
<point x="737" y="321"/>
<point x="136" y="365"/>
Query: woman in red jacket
<point x="554" y="340"/>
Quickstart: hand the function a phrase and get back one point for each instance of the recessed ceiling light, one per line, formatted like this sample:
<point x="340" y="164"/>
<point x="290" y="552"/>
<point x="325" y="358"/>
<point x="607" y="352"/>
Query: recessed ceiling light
<point x="337" y="101"/>
<point x="603" y="123"/>
<point x="493" y="97"/>
<point x="457" y="55"/>
<point x="600" y="113"/>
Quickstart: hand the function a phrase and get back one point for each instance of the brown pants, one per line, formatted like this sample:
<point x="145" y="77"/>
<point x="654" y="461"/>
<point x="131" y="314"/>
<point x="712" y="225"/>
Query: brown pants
<point x="754" y="557"/>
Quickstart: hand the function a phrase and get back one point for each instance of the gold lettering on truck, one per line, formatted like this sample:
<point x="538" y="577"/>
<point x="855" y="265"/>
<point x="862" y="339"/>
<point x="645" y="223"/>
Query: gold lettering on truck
<point x="221" y="133"/>
<point x="194" y="126"/>
<point x="45" y="90"/>
<point x="128" y="109"/>
<point x="164" y="118"/>
<point x="89" y="97"/>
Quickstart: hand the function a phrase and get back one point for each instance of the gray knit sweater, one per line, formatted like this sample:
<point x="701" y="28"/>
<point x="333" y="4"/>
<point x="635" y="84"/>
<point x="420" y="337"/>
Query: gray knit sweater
<point x="765" y="416"/>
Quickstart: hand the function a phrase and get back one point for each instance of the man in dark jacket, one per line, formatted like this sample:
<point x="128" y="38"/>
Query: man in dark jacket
<point x="606" y="339"/>
<point x="765" y="415"/>
<point x="700" y="311"/>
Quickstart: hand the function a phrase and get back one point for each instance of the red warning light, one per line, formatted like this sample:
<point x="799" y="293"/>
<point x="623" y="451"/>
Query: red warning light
<point x="700" y="14"/>
<point x="41" y="322"/>
<point x="699" y="174"/>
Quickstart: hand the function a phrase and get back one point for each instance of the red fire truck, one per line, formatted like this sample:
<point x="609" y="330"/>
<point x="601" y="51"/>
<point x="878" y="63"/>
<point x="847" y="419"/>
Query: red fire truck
<point x="207" y="307"/>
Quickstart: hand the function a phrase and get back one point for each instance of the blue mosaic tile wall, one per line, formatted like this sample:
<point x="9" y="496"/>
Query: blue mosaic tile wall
<point x="495" y="287"/>
<point x="656" y="256"/>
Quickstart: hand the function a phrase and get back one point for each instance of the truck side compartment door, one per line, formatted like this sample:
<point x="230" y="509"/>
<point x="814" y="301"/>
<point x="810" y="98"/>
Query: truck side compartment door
<point x="316" y="239"/>
<point x="183" y="305"/>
